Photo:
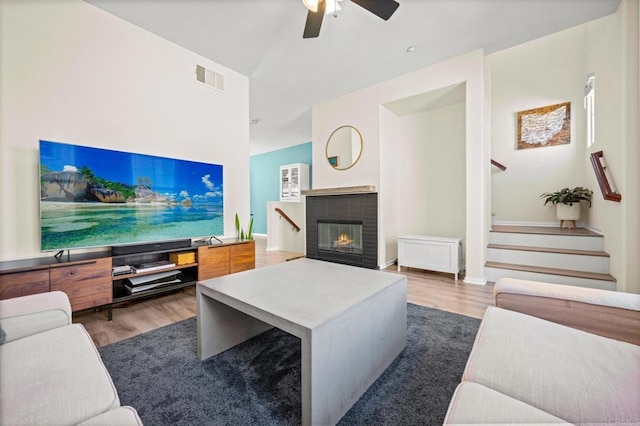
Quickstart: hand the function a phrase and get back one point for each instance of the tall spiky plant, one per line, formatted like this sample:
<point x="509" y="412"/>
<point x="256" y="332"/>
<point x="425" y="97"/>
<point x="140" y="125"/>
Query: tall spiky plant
<point x="240" y="234"/>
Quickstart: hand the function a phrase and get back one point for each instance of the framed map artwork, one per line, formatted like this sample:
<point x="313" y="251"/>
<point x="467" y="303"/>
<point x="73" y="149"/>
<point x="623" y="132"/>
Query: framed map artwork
<point x="546" y="126"/>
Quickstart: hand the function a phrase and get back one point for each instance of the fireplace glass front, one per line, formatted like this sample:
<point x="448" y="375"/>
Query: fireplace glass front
<point x="340" y="237"/>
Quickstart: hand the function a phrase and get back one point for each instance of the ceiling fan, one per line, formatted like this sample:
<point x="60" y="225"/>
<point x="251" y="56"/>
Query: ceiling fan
<point x="318" y="8"/>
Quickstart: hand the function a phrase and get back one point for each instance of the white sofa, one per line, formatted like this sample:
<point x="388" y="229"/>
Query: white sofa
<point x="50" y="371"/>
<point x="549" y="353"/>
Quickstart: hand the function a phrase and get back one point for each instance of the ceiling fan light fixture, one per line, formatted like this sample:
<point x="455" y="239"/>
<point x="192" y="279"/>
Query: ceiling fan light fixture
<point x="312" y="5"/>
<point x="333" y="7"/>
<point x="381" y="8"/>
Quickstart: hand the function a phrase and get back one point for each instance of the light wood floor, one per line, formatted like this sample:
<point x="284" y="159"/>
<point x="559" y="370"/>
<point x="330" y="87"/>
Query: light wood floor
<point x="434" y="290"/>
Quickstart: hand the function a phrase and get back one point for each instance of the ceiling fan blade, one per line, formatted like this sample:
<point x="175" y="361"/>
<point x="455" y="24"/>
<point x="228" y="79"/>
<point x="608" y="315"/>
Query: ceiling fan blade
<point x="382" y="8"/>
<point x="314" y="21"/>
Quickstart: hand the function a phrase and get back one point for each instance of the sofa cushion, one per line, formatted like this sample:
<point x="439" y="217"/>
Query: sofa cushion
<point x="53" y="300"/>
<point x="29" y="324"/>
<point x="473" y="403"/>
<point x="574" y="375"/>
<point x="55" y="378"/>
<point x="27" y="315"/>
<point x="120" y="416"/>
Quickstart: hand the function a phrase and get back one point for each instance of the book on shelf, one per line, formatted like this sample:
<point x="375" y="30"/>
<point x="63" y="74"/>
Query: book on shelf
<point x="153" y="266"/>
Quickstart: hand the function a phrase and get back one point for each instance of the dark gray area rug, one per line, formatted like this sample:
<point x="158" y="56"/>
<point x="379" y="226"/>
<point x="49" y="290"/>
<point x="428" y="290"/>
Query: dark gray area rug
<point x="258" y="382"/>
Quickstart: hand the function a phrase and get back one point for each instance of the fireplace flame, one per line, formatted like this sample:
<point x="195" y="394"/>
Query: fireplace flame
<point x="344" y="240"/>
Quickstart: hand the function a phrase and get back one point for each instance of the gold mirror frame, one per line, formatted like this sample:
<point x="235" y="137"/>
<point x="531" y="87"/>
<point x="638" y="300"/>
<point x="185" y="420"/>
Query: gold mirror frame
<point x="340" y="147"/>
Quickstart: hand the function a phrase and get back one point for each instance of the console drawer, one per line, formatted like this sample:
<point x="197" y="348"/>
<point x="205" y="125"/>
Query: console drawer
<point x="87" y="283"/>
<point x="212" y="262"/>
<point x="24" y="283"/>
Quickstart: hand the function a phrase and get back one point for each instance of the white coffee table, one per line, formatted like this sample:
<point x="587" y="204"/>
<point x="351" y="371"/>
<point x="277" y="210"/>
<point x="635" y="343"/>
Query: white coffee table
<point x="352" y="323"/>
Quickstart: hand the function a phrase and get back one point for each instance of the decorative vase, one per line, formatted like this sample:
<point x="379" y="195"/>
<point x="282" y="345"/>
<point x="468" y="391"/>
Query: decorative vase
<point x="568" y="213"/>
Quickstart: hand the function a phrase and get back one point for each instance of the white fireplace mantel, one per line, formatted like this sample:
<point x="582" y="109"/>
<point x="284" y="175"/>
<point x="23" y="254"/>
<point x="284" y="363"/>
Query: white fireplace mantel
<point x="365" y="189"/>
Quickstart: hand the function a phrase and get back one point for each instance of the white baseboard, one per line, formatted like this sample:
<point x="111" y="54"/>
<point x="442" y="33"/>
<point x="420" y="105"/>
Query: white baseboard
<point x="476" y="281"/>
<point x="272" y="249"/>
<point x="595" y="229"/>
<point x="390" y="263"/>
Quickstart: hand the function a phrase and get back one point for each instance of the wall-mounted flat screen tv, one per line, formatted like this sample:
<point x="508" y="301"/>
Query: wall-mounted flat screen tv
<point x="92" y="197"/>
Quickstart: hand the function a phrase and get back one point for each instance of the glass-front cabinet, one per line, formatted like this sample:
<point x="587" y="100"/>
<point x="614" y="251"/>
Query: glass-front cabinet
<point x="293" y="179"/>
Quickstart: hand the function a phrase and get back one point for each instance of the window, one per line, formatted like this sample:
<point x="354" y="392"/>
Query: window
<point x="589" y="105"/>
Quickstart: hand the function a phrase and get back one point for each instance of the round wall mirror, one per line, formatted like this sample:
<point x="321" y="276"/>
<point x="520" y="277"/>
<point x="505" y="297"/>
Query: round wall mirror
<point x="344" y="147"/>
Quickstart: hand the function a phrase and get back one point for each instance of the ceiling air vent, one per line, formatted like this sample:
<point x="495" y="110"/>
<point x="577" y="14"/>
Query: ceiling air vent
<point x="209" y="78"/>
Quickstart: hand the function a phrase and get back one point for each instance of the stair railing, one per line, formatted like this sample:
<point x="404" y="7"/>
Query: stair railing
<point x="498" y="165"/>
<point x="605" y="179"/>
<point x="288" y="219"/>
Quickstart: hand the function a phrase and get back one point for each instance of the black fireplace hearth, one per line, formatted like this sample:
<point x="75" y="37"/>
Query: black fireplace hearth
<point x="343" y="229"/>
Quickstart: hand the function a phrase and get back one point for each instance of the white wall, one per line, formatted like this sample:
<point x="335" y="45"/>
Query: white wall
<point x="431" y="156"/>
<point x="613" y="55"/>
<point x="72" y="73"/>
<point x="280" y="234"/>
<point x="542" y="72"/>
<point x="388" y="196"/>
<point x="362" y="109"/>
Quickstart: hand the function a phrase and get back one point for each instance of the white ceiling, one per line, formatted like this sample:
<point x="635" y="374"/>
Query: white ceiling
<point x="262" y="39"/>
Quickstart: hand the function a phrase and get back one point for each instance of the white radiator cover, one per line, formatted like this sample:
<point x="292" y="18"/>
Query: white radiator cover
<point x="431" y="253"/>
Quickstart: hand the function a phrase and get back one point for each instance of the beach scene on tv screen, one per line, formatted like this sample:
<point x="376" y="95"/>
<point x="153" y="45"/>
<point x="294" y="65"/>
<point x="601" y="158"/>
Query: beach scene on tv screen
<point x="93" y="197"/>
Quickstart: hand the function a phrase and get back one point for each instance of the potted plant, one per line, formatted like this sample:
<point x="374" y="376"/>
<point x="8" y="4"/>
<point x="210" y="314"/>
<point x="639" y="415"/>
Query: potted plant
<point x="567" y="203"/>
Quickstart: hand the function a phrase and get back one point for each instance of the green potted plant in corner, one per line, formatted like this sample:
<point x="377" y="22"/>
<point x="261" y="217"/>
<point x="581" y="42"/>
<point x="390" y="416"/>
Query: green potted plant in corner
<point x="567" y="203"/>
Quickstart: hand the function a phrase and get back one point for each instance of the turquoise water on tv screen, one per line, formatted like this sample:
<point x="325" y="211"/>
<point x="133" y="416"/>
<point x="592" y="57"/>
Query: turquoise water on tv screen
<point x="73" y="225"/>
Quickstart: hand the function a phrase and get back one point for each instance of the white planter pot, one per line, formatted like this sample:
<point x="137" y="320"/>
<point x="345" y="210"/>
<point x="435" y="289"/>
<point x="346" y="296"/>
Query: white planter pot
<point x="567" y="212"/>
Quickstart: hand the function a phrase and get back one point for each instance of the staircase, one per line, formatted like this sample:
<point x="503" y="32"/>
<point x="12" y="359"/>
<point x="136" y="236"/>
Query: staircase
<point x="549" y="254"/>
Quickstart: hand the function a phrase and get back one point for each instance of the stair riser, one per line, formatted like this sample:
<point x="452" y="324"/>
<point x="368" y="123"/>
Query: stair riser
<point x="493" y="274"/>
<point x="575" y="262"/>
<point x="595" y="243"/>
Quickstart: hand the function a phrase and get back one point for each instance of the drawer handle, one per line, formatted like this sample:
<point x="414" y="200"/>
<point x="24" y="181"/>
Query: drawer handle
<point x="90" y="262"/>
<point x="25" y="271"/>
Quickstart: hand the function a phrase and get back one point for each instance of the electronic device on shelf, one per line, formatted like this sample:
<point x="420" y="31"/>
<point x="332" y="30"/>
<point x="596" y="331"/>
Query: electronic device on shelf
<point x="148" y="282"/>
<point x="122" y="270"/>
<point x="152" y="266"/>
